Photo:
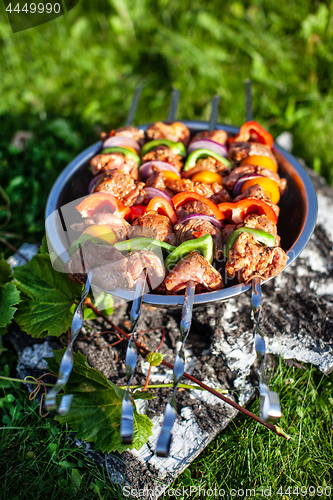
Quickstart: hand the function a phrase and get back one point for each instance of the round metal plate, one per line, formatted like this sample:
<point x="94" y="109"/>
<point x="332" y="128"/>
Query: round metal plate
<point x="296" y="222"/>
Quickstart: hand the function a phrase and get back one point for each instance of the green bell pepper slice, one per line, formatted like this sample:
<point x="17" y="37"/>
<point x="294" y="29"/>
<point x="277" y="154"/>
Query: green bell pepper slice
<point x="143" y="244"/>
<point x="84" y="237"/>
<point x="203" y="153"/>
<point x="126" y="152"/>
<point x="264" y="238"/>
<point x="177" y="148"/>
<point x="202" y="245"/>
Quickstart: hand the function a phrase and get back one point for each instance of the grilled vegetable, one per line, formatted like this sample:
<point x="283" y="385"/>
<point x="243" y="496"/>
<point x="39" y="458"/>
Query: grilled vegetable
<point x="202" y="245"/>
<point x="177" y="148"/>
<point x="204" y="153"/>
<point x="261" y="236"/>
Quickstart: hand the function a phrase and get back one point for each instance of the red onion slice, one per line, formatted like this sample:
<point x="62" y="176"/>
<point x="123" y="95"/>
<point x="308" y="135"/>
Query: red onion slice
<point x="239" y="183"/>
<point x="94" y="182"/>
<point x="146" y="170"/>
<point x="208" y="144"/>
<point x="208" y="218"/>
<point x="121" y="141"/>
<point x="151" y="192"/>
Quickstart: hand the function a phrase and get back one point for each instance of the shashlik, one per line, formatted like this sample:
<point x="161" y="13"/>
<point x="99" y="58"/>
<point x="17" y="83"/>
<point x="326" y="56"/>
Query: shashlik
<point x="211" y="205"/>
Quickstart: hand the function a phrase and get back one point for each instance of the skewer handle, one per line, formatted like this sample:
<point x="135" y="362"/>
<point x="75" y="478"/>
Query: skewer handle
<point x="170" y="414"/>
<point x="67" y="360"/>
<point x="270" y="408"/>
<point x="127" y="409"/>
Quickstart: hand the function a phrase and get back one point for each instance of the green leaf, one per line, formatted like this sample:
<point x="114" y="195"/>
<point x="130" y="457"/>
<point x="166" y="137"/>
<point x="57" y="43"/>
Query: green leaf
<point x="143" y="395"/>
<point x="43" y="249"/>
<point x="6" y="273"/>
<point x="9" y="297"/>
<point x="103" y="302"/>
<point x="154" y="358"/>
<point x="96" y="407"/>
<point x="47" y="297"/>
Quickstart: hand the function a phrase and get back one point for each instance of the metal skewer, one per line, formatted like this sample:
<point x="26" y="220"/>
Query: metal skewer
<point x="270" y="409"/>
<point x="67" y="361"/>
<point x="127" y="410"/>
<point x="170" y="414"/>
<point x="175" y="95"/>
<point x="134" y="106"/>
<point x="164" y="440"/>
<point x="248" y="94"/>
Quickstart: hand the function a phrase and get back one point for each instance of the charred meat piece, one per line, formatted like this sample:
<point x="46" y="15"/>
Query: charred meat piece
<point x="116" y="224"/>
<point x="134" y="133"/>
<point x="180" y="185"/>
<point x="240" y="150"/>
<point x="176" y="132"/>
<point x="109" y="266"/>
<point x="238" y="172"/>
<point x="193" y="207"/>
<point x="194" y="228"/>
<point x="220" y="194"/>
<point x="122" y="186"/>
<point x="208" y="163"/>
<point x="264" y="223"/>
<point x="196" y="268"/>
<point x="256" y="192"/>
<point x="138" y="261"/>
<point x="157" y="180"/>
<point x="158" y="225"/>
<point x="163" y="153"/>
<point x="219" y="136"/>
<point x="248" y="259"/>
<point x="214" y="191"/>
<point x="109" y="161"/>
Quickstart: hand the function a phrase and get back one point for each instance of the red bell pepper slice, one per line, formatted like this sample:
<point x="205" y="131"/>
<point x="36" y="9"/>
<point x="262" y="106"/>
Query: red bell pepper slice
<point x="182" y="198"/>
<point x="137" y="211"/>
<point x="162" y="206"/>
<point x="237" y="212"/>
<point x="103" y="202"/>
<point x="253" y="128"/>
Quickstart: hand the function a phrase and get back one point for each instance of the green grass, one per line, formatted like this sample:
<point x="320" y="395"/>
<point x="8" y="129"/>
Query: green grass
<point x="68" y="80"/>
<point x="40" y="460"/>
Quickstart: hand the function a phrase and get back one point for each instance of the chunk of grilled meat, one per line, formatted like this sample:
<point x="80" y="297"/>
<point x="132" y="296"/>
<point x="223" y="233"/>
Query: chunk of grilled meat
<point x="163" y="153"/>
<point x="194" y="228"/>
<point x="109" y="266"/>
<point x="196" y="268"/>
<point x="159" y="226"/>
<point x="116" y="224"/>
<point x="264" y="223"/>
<point x="248" y="259"/>
<point x="134" y="133"/>
<point x="193" y="207"/>
<point x="240" y="150"/>
<point x="103" y="162"/>
<point x="176" y="132"/>
<point x="256" y="192"/>
<point x="219" y="136"/>
<point x="238" y="172"/>
<point x="122" y="186"/>
<point x="208" y="163"/>
<point x="145" y="260"/>
<point x="214" y="191"/>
